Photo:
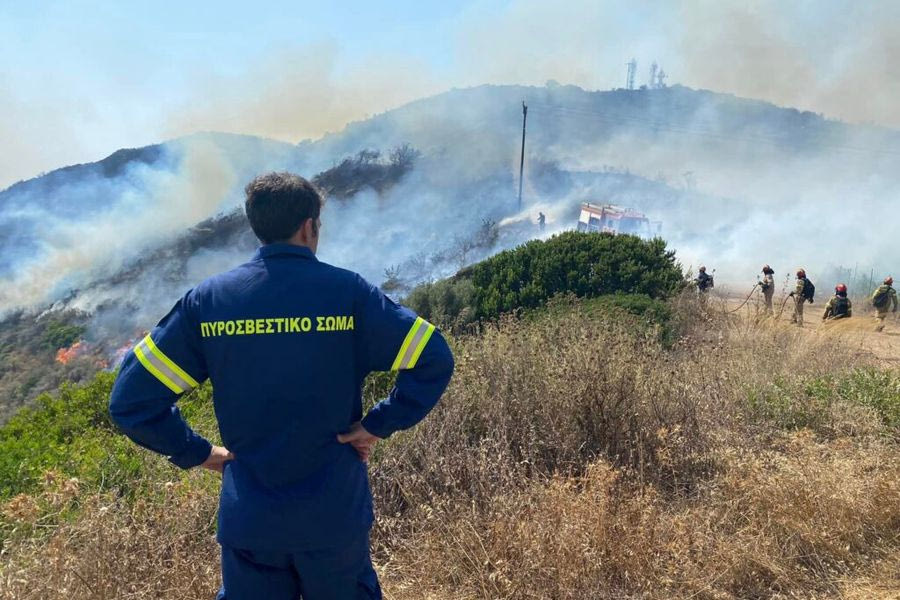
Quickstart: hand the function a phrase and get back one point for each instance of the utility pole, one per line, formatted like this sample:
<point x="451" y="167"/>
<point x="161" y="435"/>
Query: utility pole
<point x="522" y="158"/>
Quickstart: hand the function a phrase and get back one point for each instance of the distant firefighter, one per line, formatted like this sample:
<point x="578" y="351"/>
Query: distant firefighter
<point x="803" y="293"/>
<point x="839" y="306"/>
<point x="767" y="285"/>
<point x="704" y="283"/>
<point x="884" y="300"/>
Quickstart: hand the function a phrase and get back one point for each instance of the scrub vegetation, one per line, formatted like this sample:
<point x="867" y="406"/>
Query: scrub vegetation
<point x="30" y="361"/>
<point x="578" y="453"/>
<point x="633" y="270"/>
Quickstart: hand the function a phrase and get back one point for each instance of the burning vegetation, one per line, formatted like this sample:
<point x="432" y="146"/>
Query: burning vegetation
<point x="65" y="355"/>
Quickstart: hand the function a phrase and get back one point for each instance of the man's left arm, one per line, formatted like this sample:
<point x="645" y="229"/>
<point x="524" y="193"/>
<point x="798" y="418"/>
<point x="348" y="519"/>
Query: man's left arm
<point x="163" y="366"/>
<point x="394" y="338"/>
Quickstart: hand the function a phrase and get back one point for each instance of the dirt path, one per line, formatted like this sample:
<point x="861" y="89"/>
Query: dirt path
<point x="857" y="333"/>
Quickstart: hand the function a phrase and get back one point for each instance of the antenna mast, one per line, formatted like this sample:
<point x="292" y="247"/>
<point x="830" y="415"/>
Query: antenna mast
<point x="632" y="69"/>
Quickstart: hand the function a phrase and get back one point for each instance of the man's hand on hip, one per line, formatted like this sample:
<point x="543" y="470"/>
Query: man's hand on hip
<point x="217" y="459"/>
<point x="361" y="440"/>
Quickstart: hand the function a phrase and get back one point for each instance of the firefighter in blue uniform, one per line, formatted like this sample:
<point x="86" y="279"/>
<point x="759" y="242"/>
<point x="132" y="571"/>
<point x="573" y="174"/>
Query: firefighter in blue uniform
<point x="286" y="341"/>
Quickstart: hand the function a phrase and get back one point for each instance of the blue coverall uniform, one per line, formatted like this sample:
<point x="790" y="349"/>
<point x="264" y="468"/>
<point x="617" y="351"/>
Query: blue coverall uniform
<point x="286" y="341"/>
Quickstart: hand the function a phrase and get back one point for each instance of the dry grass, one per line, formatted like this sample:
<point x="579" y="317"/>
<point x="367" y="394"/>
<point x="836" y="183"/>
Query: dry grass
<point x="793" y="522"/>
<point x="571" y="458"/>
<point x="110" y="549"/>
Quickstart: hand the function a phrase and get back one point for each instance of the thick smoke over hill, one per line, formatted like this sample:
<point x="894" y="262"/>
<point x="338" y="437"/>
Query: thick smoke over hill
<point x="735" y="182"/>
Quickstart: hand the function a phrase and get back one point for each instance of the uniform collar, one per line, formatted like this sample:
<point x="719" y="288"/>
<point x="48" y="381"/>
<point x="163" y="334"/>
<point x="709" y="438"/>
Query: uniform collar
<point x="284" y="249"/>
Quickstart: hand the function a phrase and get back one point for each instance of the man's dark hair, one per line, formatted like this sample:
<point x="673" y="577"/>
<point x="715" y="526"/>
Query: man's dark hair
<point x="278" y="203"/>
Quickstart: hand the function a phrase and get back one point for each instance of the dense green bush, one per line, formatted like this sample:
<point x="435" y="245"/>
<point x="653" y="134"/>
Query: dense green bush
<point x="588" y="265"/>
<point x="585" y="264"/>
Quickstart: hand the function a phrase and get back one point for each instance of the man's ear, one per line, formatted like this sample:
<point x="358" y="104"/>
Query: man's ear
<point x="309" y="229"/>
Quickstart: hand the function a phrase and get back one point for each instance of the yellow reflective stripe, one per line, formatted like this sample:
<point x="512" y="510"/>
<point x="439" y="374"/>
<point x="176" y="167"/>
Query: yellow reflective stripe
<point x="421" y="346"/>
<point x="406" y="342"/>
<point x="413" y="345"/>
<point x="175" y="368"/>
<point x="156" y="373"/>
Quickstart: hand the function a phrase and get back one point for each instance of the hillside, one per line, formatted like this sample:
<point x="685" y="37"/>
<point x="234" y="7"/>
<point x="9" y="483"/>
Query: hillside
<point x="729" y="148"/>
<point x="737" y="459"/>
<point x="731" y="179"/>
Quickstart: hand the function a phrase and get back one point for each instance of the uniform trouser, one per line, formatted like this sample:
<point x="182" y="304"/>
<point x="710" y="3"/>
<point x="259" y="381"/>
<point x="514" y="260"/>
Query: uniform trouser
<point x="768" y="298"/>
<point x="344" y="573"/>
<point x="880" y="317"/>
<point x="799" y="301"/>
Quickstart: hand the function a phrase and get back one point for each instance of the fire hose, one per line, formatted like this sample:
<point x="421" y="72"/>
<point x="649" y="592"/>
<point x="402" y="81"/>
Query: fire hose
<point x="781" y="310"/>
<point x="750" y="295"/>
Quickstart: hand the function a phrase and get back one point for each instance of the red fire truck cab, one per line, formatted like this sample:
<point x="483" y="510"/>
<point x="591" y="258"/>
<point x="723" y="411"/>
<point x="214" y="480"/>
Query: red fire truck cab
<point x="609" y="218"/>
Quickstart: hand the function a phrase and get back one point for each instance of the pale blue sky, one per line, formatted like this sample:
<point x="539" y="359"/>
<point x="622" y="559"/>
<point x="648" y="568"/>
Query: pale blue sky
<point x="80" y="79"/>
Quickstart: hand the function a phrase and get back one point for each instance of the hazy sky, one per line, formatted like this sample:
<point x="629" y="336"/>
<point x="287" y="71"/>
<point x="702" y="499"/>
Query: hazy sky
<point x="80" y="79"/>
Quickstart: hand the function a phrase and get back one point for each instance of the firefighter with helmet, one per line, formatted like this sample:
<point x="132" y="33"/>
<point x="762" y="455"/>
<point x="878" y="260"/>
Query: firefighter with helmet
<point x="767" y="285"/>
<point x="839" y="306"/>
<point x="803" y="293"/>
<point x="884" y="300"/>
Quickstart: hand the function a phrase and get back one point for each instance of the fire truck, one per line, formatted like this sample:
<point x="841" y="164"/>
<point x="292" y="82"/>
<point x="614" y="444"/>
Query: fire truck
<point x="609" y="218"/>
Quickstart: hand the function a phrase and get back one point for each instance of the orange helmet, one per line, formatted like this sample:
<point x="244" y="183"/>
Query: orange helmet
<point x="801" y="273"/>
<point x="840" y="288"/>
<point x="889" y="281"/>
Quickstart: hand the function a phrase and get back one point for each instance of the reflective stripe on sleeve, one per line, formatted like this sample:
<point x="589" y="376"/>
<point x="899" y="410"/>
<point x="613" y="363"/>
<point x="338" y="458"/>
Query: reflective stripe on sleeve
<point x="413" y="345"/>
<point x="161" y="366"/>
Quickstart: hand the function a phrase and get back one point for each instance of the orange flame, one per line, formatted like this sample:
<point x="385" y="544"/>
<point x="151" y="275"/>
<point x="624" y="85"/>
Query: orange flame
<point x="64" y="355"/>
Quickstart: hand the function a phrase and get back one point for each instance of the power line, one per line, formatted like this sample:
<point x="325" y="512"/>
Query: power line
<point x="522" y="159"/>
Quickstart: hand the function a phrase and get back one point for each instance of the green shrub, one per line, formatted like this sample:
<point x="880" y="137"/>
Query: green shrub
<point x="587" y="265"/>
<point x="584" y="264"/>
<point x="58" y="334"/>
<point x="791" y="404"/>
<point x="448" y="303"/>
<point x="877" y="389"/>
<point x="71" y="433"/>
<point x="63" y="433"/>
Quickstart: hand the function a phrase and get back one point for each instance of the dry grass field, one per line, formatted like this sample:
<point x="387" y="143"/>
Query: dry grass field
<point x="574" y="456"/>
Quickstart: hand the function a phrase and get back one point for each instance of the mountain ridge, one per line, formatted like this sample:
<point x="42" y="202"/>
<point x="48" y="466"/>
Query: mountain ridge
<point x="114" y="164"/>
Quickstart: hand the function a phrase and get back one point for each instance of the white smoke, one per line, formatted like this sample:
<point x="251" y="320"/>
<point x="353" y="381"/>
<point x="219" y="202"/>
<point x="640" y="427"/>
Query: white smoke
<point x="754" y="195"/>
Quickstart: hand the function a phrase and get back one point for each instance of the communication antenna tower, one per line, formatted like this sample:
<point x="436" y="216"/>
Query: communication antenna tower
<point x="632" y="69"/>
<point x="653" y="69"/>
